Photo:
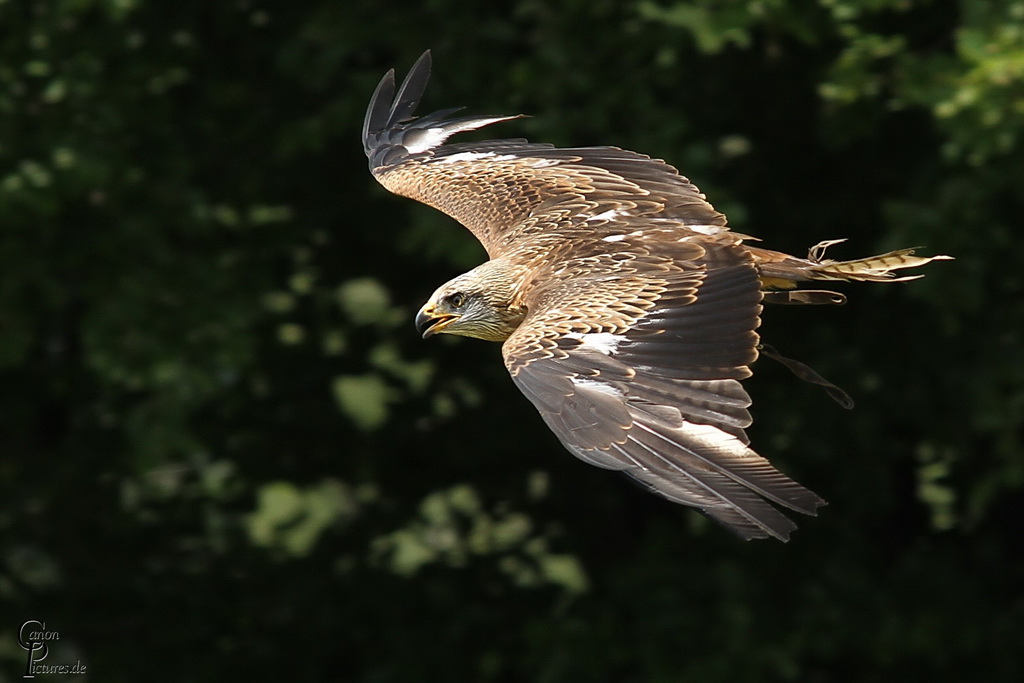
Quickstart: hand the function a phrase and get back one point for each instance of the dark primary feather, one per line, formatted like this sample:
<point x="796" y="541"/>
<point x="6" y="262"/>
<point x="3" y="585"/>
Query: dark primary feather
<point x="386" y="109"/>
<point x="376" y="117"/>
<point x="411" y="92"/>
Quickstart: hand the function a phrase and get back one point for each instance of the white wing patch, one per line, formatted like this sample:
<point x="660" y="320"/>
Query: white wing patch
<point x="465" y="156"/>
<point x="427" y="139"/>
<point x="584" y="383"/>
<point x="602" y="342"/>
<point x="474" y="156"/>
<point x="607" y="215"/>
<point x="619" y="238"/>
<point x="423" y="140"/>
<point x="706" y="229"/>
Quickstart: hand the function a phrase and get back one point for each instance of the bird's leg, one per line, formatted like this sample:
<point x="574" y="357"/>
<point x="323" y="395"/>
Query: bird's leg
<point x="817" y="252"/>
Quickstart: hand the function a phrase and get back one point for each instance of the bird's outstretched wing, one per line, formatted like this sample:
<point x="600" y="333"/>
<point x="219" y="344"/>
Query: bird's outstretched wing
<point x="504" y="190"/>
<point x="640" y="372"/>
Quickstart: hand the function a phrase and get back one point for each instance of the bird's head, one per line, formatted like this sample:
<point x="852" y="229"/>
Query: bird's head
<point x="476" y="304"/>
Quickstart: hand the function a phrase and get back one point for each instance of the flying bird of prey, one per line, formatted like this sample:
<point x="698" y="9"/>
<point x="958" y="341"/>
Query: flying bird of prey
<point x="626" y="308"/>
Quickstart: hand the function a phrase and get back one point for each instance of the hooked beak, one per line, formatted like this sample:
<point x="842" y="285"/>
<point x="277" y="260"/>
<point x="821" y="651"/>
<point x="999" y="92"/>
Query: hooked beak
<point x="429" y="322"/>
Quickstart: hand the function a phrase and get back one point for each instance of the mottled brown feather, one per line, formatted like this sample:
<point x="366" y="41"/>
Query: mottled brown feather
<point x="526" y="189"/>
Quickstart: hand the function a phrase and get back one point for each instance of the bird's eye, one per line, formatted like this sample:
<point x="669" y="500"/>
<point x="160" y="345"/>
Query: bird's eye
<point x="457" y="300"/>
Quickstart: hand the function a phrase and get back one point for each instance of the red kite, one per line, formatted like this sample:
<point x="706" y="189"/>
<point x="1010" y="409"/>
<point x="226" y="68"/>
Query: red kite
<point x="626" y="308"/>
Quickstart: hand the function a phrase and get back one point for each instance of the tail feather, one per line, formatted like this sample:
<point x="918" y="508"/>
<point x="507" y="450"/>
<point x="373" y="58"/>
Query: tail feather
<point x="874" y="268"/>
<point x="782" y="271"/>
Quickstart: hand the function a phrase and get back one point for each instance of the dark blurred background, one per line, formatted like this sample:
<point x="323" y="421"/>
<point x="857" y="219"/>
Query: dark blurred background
<point x="226" y="454"/>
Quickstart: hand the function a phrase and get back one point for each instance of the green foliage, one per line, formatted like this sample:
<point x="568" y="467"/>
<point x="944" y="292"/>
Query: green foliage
<point x="226" y="452"/>
<point x="292" y="520"/>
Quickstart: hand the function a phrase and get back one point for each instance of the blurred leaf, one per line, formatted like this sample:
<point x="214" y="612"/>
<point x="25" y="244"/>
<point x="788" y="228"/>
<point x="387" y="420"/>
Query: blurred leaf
<point x="364" y="399"/>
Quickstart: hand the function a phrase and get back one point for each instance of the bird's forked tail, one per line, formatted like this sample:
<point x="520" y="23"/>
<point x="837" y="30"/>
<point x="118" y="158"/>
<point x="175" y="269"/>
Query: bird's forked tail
<point x="781" y="271"/>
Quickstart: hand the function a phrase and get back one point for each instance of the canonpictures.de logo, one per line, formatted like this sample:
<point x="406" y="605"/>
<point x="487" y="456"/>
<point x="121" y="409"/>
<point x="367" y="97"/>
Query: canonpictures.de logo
<point x="36" y="639"/>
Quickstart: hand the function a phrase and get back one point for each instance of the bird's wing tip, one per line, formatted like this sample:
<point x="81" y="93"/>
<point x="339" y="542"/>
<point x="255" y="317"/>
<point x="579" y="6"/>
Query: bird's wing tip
<point x="388" y="107"/>
<point x="379" y="107"/>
